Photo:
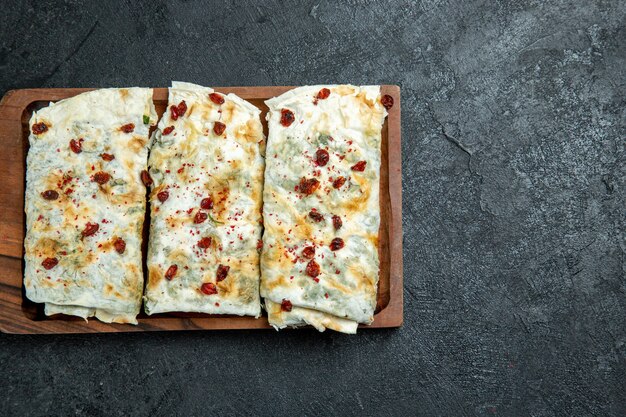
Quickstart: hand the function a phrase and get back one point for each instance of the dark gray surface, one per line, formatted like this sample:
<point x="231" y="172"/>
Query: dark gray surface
<point x="513" y="149"/>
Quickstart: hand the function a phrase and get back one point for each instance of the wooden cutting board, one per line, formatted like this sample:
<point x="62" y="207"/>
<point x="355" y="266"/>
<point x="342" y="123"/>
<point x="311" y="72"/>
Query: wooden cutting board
<point x="20" y="315"/>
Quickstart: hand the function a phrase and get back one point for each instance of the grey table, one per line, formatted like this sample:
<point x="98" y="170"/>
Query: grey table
<point x="513" y="149"/>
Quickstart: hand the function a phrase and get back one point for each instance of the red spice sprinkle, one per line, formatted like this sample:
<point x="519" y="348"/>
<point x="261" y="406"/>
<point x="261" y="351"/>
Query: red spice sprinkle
<point x="181" y="169"/>
<point x="168" y="130"/>
<point x="326" y="295"/>
<point x="107" y="156"/>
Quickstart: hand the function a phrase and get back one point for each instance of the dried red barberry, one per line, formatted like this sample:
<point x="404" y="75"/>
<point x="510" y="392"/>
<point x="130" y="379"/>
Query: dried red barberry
<point x="216" y="98"/>
<point x="359" y="166"/>
<point x="222" y="272"/>
<point x="321" y="157"/>
<point x="50" y="263"/>
<point x="286" y="117"/>
<point x="336" y="244"/>
<point x="101" y="177"/>
<point x="308" y="186"/>
<point x="219" y="128"/>
<point x="207" y="203"/>
<point x="286" y="305"/>
<point x="128" y="128"/>
<point x="208" y="288"/>
<point x="387" y="101"/>
<point x="119" y="245"/>
<point x="50" y="195"/>
<point x="171" y="272"/>
<point x="312" y="269"/>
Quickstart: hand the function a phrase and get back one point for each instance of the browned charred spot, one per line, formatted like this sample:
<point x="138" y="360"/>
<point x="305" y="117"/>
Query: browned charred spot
<point x="304" y="229"/>
<point x="249" y="132"/>
<point x="88" y="259"/>
<point x="108" y="289"/>
<point x="362" y="98"/>
<point x="362" y="279"/>
<point x="48" y="248"/>
<point x="228" y="110"/>
<point x="137" y="143"/>
<point x="191" y="109"/>
<point x="105" y="246"/>
<point x="373" y="240"/>
<point x="219" y="192"/>
<point x="132" y="269"/>
<point x="123" y="93"/>
<point x="155" y="275"/>
<point x="279" y="282"/>
<point x="358" y="203"/>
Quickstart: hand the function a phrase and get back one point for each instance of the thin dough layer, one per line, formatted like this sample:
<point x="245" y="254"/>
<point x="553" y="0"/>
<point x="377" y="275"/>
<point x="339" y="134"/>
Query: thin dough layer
<point x="321" y="205"/>
<point x="85" y="203"/>
<point x="207" y="165"/>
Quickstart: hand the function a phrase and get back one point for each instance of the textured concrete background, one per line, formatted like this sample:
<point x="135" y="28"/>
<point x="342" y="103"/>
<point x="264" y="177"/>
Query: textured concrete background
<point x="514" y="118"/>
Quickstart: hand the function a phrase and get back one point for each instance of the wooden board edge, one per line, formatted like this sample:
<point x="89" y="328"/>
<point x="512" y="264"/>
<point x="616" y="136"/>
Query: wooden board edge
<point x="391" y="316"/>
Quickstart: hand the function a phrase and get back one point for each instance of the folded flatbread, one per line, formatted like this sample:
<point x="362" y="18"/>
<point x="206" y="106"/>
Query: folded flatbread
<point x="207" y="166"/>
<point x="85" y="204"/>
<point x="321" y="207"/>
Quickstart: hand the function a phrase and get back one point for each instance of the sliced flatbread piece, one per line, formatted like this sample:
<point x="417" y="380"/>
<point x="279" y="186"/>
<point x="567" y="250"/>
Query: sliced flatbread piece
<point x="321" y="206"/>
<point x="207" y="166"/>
<point x="299" y="316"/>
<point x="85" y="204"/>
